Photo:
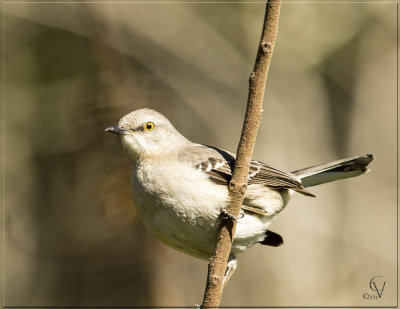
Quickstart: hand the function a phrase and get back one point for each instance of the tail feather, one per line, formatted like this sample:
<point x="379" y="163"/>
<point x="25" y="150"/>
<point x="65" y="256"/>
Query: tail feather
<point x="331" y="171"/>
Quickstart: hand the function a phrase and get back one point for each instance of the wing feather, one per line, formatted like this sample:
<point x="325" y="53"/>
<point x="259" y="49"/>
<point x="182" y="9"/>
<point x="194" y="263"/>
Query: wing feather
<point x="218" y="164"/>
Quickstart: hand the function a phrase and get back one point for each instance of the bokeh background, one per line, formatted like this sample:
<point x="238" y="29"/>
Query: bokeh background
<point x="71" y="233"/>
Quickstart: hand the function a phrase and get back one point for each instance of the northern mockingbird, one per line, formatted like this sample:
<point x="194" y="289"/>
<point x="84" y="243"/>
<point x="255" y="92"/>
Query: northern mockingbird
<point x="180" y="188"/>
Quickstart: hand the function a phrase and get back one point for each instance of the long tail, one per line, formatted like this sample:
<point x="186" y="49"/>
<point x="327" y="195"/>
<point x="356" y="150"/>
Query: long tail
<point x="331" y="171"/>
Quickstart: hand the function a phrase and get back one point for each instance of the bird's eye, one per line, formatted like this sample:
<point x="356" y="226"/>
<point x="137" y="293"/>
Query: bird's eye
<point x="149" y="126"/>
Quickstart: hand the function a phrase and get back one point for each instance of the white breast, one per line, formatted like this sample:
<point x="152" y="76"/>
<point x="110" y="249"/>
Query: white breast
<point x="179" y="204"/>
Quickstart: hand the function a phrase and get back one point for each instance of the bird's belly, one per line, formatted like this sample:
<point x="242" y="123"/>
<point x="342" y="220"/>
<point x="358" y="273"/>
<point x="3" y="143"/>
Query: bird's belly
<point x="180" y="210"/>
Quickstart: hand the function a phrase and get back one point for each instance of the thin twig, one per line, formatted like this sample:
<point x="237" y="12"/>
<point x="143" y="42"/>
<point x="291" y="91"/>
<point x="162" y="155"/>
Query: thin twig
<point x="238" y="184"/>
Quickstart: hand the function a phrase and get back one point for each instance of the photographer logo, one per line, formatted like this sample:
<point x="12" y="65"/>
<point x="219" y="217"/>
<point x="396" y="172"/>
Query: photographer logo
<point x="377" y="285"/>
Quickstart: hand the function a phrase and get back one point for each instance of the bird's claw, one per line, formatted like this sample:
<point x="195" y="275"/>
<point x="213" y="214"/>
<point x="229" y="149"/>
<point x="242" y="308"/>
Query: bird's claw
<point x="225" y="215"/>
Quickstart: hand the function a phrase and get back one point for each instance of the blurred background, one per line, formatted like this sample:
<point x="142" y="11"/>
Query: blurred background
<point x="71" y="234"/>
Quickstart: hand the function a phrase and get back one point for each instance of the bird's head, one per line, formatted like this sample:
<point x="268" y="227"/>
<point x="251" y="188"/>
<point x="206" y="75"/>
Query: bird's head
<point x="147" y="134"/>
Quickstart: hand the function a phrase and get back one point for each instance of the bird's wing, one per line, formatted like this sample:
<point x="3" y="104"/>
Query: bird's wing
<point x="218" y="164"/>
<point x="261" y="173"/>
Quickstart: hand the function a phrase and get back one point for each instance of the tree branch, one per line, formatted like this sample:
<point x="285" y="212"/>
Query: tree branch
<point x="238" y="184"/>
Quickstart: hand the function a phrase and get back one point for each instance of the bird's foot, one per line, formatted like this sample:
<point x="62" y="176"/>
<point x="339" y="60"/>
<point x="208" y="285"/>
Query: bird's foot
<point x="225" y="215"/>
<point x="230" y="268"/>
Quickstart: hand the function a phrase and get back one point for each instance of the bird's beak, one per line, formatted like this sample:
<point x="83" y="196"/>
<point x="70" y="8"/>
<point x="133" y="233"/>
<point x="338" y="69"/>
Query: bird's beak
<point x="115" y="129"/>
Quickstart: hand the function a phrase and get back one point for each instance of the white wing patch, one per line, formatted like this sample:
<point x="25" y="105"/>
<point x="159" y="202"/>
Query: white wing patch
<point x="219" y="164"/>
<point x="255" y="168"/>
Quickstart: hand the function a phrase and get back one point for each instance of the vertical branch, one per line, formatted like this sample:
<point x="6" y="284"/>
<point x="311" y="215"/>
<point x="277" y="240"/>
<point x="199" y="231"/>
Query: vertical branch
<point x="238" y="184"/>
